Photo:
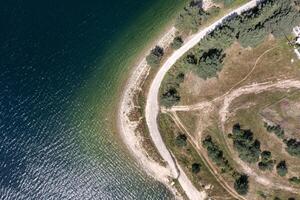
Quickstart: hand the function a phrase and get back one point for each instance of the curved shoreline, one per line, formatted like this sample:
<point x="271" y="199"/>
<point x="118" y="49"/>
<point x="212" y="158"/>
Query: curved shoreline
<point x="152" y="105"/>
<point x="127" y="127"/>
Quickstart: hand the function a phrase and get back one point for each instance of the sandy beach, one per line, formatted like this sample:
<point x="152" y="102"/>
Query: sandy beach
<point x="127" y="127"/>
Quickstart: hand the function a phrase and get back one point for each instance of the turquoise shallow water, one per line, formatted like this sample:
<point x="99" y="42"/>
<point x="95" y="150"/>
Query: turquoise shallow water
<point x="62" y="64"/>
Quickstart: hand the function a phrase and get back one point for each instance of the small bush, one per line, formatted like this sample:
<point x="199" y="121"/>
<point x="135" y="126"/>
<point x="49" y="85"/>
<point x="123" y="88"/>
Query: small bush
<point x="267" y="165"/>
<point x="295" y="180"/>
<point x="181" y="140"/>
<point x="266" y="155"/>
<point x="277" y="130"/>
<point x="196" y="167"/>
<point x="177" y="43"/>
<point x="266" y="161"/>
<point x="156" y="54"/>
<point x="293" y="147"/>
<point x="170" y="97"/>
<point x="282" y="168"/>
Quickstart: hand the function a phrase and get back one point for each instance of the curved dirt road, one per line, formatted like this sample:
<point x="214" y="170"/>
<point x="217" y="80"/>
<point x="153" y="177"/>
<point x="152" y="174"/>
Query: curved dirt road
<point x="152" y="105"/>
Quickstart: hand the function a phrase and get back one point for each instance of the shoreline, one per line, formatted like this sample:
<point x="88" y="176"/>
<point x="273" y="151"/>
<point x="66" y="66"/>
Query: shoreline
<point x="127" y="128"/>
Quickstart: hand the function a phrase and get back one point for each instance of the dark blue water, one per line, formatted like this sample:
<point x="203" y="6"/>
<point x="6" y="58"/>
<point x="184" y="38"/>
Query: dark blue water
<point x="53" y="140"/>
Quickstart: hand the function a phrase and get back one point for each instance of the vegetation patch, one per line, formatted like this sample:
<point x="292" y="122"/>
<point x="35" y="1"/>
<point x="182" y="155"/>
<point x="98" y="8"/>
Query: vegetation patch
<point x="276" y="17"/>
<point x="295" y="180"/>
<point x="245" y="144"/>
<point x="293" y="147"/>
<point x="266" y="163"/>
<point x="282" y="168"/>
<point x="241" y="184"/>
<point x="155" y="56"/>
<point x="216" y="154"/>
<point x="191" y="17"/>
<point x="276" y="129"/>
<point x="177" y="42"/>
<point x="188" y="157"/>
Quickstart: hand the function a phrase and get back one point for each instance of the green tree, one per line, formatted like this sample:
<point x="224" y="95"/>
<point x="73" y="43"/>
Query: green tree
<point x="241" y="184"/>
<point x="245" y="144"/>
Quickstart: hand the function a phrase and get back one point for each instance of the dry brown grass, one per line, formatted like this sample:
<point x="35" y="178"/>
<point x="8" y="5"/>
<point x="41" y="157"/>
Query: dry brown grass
<point x="274" y="64"/>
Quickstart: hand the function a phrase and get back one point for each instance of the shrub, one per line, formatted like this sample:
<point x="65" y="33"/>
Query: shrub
<point x="267" y="165"/>
<point x="170" y="97"/>
<point x="177" y="43"/>
<point x="241" y="185"/>
<point x="277" y="130"/>
<point x="153" y="59"/>
<point x="281" y="168"/>
<point x="181" y="140"/>
<point x="169" y="94"/>
<point x="196" y="168"/>
<point x="266" y="155"/>
<point x="293" y="147"/>
<point x="266" y="162"/>
<point x="295" y="180"/>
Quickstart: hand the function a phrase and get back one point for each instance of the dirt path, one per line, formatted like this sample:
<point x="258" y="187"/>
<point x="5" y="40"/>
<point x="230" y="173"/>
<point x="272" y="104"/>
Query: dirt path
<point x="152" y="105"/>
<point x="224" y="113"/>
<point x="213" y="170"/>
<point x="201" y="105"/>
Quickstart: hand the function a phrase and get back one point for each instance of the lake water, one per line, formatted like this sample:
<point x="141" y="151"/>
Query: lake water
<point x="62" y="64"/>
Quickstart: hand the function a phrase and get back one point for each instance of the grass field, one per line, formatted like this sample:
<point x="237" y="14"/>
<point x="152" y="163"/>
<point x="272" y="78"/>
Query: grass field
<point x="271" y="61"/>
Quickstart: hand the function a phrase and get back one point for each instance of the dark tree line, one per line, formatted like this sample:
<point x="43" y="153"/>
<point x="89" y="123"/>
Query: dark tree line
<point x="277" y="17"/>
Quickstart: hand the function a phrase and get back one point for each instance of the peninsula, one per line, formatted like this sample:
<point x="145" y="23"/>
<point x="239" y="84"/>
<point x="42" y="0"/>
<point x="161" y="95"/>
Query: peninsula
<point x="186" y="111"/>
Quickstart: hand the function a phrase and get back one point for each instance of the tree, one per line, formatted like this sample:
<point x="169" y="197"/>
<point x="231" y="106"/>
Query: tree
<point x="210" y="63"/>
<point x="282" y="168"/>
<point x="191" y="17"/>
<point x="196" y="168"/>
<point x="241" y="184"/>
<point x="153" y="59"/>
<point x="177" y="42"/>
<point x="181" y="140"/>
